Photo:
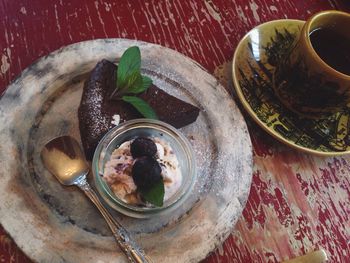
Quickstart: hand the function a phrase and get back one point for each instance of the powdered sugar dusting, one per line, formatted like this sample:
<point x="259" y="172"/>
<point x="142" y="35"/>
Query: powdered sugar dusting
<point x="116" y="119"/>
<point x="94" y="105"/>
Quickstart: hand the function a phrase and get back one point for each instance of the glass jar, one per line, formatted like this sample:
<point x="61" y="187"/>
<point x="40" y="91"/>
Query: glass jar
<point x="144" y="128"/>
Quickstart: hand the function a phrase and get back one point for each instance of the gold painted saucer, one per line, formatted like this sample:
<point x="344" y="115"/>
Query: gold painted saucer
<point x="254" y="63"/>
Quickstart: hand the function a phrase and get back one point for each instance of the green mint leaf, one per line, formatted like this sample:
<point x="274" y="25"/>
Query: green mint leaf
<point x="134" y="82"/>
<point x="142" y="106"/>
<point x="137" y="88"/>
<point x="147" y="82"/>
<point x="133" y="85"/>
<point x="155" y="195"/>
<point x="130" y="81"/>
<point x="129" y="63"/>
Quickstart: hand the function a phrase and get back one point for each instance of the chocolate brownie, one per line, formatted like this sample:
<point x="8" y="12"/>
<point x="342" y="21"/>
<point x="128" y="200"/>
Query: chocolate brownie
<point x="96" y="109"/>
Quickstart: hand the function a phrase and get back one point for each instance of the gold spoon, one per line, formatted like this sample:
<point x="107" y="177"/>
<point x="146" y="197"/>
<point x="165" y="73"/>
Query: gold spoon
<point x="63" y="157"/>
<point x="318" y="256"/>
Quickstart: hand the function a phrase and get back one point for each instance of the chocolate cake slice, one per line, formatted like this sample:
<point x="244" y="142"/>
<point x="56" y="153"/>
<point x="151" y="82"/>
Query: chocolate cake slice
<point x="96" y="109"/>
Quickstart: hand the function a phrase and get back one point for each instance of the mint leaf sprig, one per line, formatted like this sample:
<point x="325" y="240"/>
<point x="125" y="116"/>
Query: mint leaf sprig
<point x="130" y="82"/>
<point x="155" y="195"/>
<point x="142" y="106"/>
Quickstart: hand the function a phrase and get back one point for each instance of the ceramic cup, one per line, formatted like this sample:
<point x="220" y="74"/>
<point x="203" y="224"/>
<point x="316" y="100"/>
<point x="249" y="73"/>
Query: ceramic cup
<point x="303" y="81"/>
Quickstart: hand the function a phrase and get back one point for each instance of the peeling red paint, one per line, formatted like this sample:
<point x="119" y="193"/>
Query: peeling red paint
<point x="254" y="211"/>
<point x="260" y="148"/>
<point x="303" y="231"/>
<point x="297" y="203"/>
<point x="304" y="184"/>
<point x="262" y="194"/>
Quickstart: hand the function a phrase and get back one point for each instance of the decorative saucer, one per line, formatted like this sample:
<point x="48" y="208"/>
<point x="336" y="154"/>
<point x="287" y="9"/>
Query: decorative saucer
<point x="254" y="64"/>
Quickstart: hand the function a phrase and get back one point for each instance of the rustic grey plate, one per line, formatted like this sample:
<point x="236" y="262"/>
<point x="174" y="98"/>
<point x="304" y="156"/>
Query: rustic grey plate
<point x="53" y="223"/>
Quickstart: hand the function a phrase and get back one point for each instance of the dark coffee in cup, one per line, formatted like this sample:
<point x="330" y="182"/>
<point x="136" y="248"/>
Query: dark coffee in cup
<point x="333" y="48"/>
<point x="313" y="78"/>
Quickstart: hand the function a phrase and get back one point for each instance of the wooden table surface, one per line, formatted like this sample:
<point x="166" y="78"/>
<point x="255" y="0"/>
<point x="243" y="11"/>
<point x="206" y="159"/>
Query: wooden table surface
<point x="298" y="202"/>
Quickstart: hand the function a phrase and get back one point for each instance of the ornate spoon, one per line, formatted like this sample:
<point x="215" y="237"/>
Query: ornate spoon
<point x="63" y="157"/>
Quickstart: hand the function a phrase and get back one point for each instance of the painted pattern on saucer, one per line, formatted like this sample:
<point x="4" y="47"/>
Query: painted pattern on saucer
<point x="254" y="64"/>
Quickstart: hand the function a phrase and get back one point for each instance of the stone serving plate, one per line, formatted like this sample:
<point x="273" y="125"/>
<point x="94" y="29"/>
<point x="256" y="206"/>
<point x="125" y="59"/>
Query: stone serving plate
<point x="53" y="223"/>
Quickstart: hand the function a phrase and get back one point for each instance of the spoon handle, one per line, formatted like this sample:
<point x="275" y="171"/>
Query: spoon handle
<point x="133" y="252"/>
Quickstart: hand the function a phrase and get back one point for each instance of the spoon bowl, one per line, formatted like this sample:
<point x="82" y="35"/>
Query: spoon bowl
<point x="64" y="159"/>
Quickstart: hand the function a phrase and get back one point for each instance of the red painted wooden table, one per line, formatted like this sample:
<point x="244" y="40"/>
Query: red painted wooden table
<point x="298" y="203"/>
